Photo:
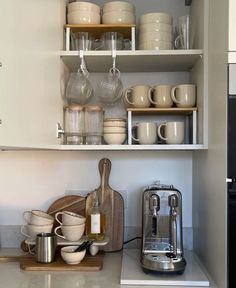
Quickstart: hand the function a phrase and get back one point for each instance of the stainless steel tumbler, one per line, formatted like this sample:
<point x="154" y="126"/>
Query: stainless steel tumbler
<point x="46" y="244"/>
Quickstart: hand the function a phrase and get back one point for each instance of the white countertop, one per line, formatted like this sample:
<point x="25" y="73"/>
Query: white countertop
<point x="109" y="277"/>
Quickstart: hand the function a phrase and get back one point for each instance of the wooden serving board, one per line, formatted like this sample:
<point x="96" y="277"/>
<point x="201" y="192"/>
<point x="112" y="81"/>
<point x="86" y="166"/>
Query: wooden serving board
<point x="89" y="263"/>
<point x="112" y="205"/>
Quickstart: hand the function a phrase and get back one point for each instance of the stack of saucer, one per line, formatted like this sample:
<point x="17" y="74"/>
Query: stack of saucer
<point x="155" y="31"/>
<point x="114" y="130"/>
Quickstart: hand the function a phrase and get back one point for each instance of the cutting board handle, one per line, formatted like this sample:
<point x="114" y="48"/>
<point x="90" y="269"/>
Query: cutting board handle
<point x="104" y="167"/>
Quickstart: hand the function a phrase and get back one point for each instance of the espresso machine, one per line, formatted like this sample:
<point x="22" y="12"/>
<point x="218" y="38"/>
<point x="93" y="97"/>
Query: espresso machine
<point x="162" y="244"/>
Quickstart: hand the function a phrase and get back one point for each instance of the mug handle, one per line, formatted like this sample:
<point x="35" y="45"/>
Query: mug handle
<point x="178" y="43"/>
<point x="126" y="44"/>
<point x="22" y="230"/>
<point x="173" y="97"/>
<point x="59" y="235"/>
<point x="127" y="93"/>
<point x="159" y="131"/>
<point x="56" y="217"/>
<point x="135" y="139"/>
<point x="150" y="95"/>
<point x="32" y="252"/>
<point x="26" y="218"/>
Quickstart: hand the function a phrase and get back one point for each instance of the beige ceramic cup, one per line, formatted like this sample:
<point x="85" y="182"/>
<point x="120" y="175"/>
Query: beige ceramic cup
<point x="173" y="132"/>
<point x="38" y="217"/>
<point x="146" y="133"/>
<point x="138" y="96"/>
<point x="184" y="96"/>
<point x="70" y="232"/>
<point x="69" y="218"/>
<point x="31" y="230"/>
<point x="161" y="97"/>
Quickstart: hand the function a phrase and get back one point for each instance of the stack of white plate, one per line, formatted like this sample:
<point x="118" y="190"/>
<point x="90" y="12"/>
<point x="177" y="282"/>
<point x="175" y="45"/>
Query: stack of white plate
<point x="118" y="12"/>
<point x="114" y="130"/>
<point x="83" y="13"/>
<point x="156" y="31"/>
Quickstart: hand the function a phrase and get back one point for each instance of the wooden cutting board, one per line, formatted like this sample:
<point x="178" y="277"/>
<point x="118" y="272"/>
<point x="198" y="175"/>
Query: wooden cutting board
<point x="89" y="263"/>
<point x="112" y="204"/>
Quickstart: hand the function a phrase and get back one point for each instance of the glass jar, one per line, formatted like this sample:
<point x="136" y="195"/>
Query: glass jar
<point x="93" y="125"/>
<point x="74" y="124"/>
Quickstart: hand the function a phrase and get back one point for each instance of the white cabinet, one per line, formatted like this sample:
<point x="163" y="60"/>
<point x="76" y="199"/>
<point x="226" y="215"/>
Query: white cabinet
<point x="30" y="104"/>
<point x="34" y="57"/>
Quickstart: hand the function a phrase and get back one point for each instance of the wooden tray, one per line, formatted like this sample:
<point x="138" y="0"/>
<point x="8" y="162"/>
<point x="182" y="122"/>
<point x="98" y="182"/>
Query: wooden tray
<point x="89" y="263"/>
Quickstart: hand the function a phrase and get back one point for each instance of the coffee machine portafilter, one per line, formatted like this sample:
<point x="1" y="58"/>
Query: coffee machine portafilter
<point x="162" y="244"/>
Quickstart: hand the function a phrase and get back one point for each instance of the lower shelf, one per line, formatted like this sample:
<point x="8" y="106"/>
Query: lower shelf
<point x="125" y="147"/>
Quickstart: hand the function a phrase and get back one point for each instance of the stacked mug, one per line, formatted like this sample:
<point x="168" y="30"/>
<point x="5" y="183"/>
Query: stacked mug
<point x="37" y="222"/>
<point x="114" y="130"/>
<point x="83" y="13"/>
<point x="72" y="225"/>
<point x="118" y="12"/>
<point x="156" y="31"/>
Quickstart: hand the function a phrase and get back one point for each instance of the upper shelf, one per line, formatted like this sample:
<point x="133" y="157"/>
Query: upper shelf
<point x="134" y="61"/>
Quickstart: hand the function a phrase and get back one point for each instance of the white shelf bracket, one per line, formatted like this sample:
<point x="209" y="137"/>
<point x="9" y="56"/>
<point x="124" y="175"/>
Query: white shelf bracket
<point x="67" y="38"/>
<point x="194" y="127"/>
<point x="129" y="127"/>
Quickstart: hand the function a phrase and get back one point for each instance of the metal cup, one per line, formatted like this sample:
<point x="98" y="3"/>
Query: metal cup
<point x="46" y="244"/>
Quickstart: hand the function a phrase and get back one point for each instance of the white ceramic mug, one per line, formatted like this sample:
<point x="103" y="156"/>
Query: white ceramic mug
<point x="161" y="97"/>
<point x="146" y="133"/>
<point x="69" y="218"/>
<point x="184" y="96"/>
<point x="31" y="230"/>
<point x="138" y="96"/>
<point x="70" y="232"/>
<point x="38" y="217"/>
<point x="173" y="132"/>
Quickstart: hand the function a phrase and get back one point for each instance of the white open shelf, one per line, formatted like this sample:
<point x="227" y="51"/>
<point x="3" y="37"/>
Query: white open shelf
<point x="133" y="61"/>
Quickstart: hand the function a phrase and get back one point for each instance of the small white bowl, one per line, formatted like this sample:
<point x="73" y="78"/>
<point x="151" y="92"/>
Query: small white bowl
<point x="118" y="6"/>
<point x="71" y="257"/>
<point x="118" y="17"/>
<point x="155" y="27"/>
<point x="114" y="124"/>
<point x="83" y="17"/>
<point x="114" y="138"/>
<point x="155" y="45"/>
<point x="83" y="6"/>
<point x="114" y="129"/>
<point x="156" y="18"/>
<point x="154" y="36"/>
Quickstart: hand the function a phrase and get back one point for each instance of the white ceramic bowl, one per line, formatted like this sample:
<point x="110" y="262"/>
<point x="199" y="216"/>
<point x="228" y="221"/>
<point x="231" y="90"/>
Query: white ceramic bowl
<point x="114" y="124"/>
<point x="118" y="17"/>
<point x="114" y="129"/>
<point x="114" y="138"/>
<point x="83" y="6"/>
<point x="152" y="27"/>
<point x="155" y="36"/>
<point x="118" y="6"/>
<point x="155" y="45"/>
<point x="83" y="17"/>
<point x="156" y="18"/>
<point x="71" y="257"/>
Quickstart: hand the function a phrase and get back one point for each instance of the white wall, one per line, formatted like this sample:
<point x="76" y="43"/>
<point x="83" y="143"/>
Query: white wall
<point x="33" y="180"/>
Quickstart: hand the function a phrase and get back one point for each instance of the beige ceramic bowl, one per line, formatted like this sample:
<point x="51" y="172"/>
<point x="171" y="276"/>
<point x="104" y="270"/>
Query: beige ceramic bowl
<point x="155" y="36"/>
<point x="114" y="123"/>
<point x="118" y="17"/>
<point x="155" y="27"/>
<point x="83" y="6"/>
<point x="156" y="18"/>
<point x="155" y="45"/>
<point x="71" y="257"/>
<point x="114" y="138"/>
<point x="118" y="6"/>
<point x="114" y="129"/>
<point x="83" y="17"/>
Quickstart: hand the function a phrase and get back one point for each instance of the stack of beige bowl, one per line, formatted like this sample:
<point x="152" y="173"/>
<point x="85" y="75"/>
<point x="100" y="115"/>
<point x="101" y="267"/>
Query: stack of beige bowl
<point x="156" y="31"/>
<point x="114" y="130"/>
<point x="118" y="12"/>
<point x="83" y="13"/>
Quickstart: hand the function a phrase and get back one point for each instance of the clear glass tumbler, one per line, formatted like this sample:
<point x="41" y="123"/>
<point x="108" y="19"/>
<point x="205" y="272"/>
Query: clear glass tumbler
<point x="74" y="124"/>
<point x="93" y="125"/>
